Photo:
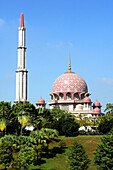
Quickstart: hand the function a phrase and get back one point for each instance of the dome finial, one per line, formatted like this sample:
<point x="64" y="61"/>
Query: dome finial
<point x="69" y="64"/>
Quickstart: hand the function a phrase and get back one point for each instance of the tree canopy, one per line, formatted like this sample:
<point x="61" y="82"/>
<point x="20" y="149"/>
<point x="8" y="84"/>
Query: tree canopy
<point x="104" y="153"/>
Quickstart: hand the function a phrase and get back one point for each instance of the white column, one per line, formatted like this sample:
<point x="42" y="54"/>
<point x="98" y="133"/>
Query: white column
<point x="16" y="85"/>
<point x="25" y="58"/>
<point x="22" y="58"/>
<point x="20" y="37"/>
<point x="24" y="85"/>
<point x="23" y="38"/>
<point x="21" y="85"/>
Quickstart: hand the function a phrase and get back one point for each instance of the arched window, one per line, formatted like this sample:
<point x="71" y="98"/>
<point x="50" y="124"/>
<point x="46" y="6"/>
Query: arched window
<point x="82" y="96"/>
<point x="56" y="96"/>
<point x="76" y="96"/>
<point x="68" y="96"/>
<point x="51" y="97"/>
<point x="61" y="96"/>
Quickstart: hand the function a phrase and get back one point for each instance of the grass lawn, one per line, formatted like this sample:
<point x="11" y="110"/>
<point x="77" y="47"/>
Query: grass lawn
<point x="57" y="160"/>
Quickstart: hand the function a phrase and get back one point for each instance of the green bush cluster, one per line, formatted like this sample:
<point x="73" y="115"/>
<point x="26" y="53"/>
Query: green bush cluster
<point x="83" y="132"/>
<point x="104" y="153"/>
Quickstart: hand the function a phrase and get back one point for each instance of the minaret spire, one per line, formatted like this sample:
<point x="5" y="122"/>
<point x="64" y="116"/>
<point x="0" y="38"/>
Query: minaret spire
<point x="21" y="72"/>
<point x="22" y="20"/>
<point x="69" y="64"/>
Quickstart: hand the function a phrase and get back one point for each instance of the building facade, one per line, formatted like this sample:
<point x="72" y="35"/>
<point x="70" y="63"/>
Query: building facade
<point x="70" y="92"/>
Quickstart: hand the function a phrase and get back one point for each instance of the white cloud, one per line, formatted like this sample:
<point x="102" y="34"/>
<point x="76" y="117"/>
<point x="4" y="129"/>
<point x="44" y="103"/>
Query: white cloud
<point x="106" y="81"/>
<point x="1" y="22"/>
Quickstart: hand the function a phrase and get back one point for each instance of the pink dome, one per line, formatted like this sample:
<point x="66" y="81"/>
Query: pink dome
<point x="96" y="103"/>
<point x="87" y="99"/>
<point x="41" y="101"/>
<point x="69" y="82"/>
<point x="96" y="110"/>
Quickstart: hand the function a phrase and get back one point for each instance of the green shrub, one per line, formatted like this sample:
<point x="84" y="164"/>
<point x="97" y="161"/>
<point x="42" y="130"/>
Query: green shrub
<point x="6" y="155"/>
<point x="77" y="157"/>
<point x="62" y="144"/>
<point x="26" y="157"/>
<point x="104" y="153"/>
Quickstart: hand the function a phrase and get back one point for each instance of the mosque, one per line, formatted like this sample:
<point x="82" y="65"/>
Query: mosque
<point x="69" y="91"/>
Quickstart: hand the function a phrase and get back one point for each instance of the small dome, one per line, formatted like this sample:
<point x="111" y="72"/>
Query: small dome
<point x="87" y="99"/>
<point x="41" y="101"/>
<point x="96" y="110"/>
<point x="96" y="103"/>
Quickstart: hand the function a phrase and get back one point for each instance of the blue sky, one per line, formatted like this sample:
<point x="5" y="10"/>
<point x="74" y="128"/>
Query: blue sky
<point x="53" y="28"/>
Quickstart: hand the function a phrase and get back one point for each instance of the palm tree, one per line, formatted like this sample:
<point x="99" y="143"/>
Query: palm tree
<point x="23" y="119"/>
<point x="49" y="135"/>
<point x="43" y="136"/>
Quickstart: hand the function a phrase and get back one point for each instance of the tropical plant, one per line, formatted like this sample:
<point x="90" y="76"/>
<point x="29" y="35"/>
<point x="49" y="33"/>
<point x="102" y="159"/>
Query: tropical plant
<point x="109" y="108"/>
<point x="23" y="118"/>
<point x="2" y="124"/>
<point x="5" y="110"/>
<point x="25" y="112"/>
<point x="43" y="137"/>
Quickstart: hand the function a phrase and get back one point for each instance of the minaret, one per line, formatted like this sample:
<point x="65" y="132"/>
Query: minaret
<point x="21" y="72"/>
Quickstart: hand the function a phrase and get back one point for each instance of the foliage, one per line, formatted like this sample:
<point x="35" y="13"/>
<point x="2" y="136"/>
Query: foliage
<point x="104" y="153"/>
<point x="25" y="157"/>
<point x="109" y="108"/>
<point x="77" y="157"/>
<point x="42" y="118"/>
<point x="83" y="121"/>
<point x="83" y="132"/>
<point x="2" y="124"/>
<point x="26" y="107"/>
<point x="44" y="135"/>
<point x="5" y="112"/>
<point x="105" y="124"/>
<point x="6" y="155"/>
<point x="24" y="112"/>
<point x="18" y="142"/>
<point x="12" y="139"/>
<point x="87" y="121"/>
<point x="63" y="122"/>
<point x="62" y="144"/>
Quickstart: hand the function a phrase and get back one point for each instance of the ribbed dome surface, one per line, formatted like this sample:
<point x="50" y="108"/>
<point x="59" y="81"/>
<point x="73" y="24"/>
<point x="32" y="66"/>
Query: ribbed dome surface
<point x="69" y="82"/>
